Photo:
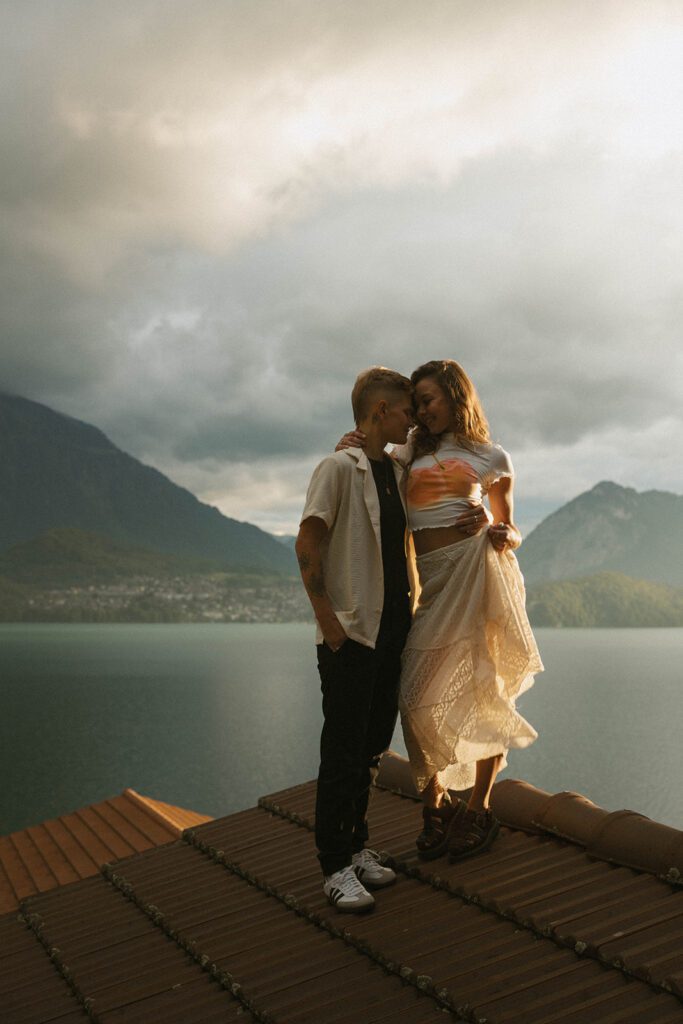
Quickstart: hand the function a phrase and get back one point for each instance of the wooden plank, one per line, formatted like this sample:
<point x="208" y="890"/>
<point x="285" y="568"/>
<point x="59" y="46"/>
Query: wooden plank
<point x="112" y="840"/>
<point x="20" y="881"/>
<point x="124" y="828"/>
<point x="8" y="897"/>
<point x="53" y="855"/>
<point x="148" y="825"/>
<point x="79" y="859"/>
<point x="90" y="841"/>
<point x="41" y="875"/>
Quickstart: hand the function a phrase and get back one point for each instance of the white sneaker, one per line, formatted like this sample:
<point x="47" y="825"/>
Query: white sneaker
<point x="345" y="892"/>
<point x="369" y="871"/>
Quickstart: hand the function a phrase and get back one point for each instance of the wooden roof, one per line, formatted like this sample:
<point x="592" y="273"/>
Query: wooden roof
<point x="76" y="845"/>
<point x="229" y="922"/>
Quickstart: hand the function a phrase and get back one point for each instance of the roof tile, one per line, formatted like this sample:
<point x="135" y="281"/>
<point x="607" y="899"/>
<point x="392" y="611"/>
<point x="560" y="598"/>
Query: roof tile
<point x="62" y="850"/>
<point x="293" y="970"/>
<point x="80" y="861"/>
<point x="534" y="931"/>
<point x="15" y="879"/>
<point x="569" y="816"/>
<point x="52" y="855"/>
<point x="31" y="991"/>
<point x="112" y="845"/>
<point x="39" y="872"/>
<point x="131" y="823"/>
<point x="621" y="837"/>
<point x="626" y="837"/>
<point x="91" y="923"/>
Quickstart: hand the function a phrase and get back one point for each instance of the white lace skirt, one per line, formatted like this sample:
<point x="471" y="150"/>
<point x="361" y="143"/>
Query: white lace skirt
<point x="469" y="654"/>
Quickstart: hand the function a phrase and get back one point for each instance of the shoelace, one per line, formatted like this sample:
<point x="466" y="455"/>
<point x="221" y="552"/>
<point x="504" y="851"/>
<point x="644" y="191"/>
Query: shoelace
<point x="350" y="884"/>
<point x="367" y="858"/>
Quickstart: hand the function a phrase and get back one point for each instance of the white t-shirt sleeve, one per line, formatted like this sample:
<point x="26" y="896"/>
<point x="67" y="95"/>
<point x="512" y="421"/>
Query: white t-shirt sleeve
<point x="500" y="465"/>
<point x="322" y="497"/>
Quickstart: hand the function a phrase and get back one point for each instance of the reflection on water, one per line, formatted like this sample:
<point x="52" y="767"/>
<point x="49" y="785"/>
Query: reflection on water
<point x="211" y="717"/>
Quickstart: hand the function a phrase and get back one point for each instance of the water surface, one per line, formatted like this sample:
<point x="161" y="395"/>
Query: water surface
<point x="210" y="717"/>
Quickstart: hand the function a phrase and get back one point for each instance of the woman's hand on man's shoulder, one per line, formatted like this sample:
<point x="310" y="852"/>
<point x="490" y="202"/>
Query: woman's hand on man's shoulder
<point x="354" y="439"/>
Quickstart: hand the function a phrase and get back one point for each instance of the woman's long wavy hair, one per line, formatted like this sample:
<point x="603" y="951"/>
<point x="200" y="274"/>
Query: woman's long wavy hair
<point x="469" y="423"/>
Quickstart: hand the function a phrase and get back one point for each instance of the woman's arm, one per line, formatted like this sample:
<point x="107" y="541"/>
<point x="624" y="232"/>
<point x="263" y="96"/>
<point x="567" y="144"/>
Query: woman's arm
<point x="503" y="534"/>
<point x="356" y="439"/>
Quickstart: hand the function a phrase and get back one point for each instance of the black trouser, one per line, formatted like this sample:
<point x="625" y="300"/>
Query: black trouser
<point x="360" y="706"/>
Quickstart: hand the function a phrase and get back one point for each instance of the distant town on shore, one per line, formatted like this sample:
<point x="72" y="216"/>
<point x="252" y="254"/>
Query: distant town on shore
<point x="90" y="534"/>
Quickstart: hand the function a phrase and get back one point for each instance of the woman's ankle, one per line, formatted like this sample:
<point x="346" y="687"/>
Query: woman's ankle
<point x="434" y="797"/>
<point x="478" y="805"/>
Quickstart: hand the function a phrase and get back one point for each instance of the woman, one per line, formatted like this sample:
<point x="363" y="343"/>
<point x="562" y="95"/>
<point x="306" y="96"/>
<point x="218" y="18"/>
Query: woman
<point x="470" y="651"/>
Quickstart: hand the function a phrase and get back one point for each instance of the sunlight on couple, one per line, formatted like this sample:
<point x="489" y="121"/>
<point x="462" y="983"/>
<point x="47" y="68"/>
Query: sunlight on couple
<point x="419" y="603"/>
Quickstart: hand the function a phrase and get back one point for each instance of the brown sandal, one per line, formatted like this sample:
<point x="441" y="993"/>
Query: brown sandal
<point x="439" y="821"/>
<point x="475" y="832"/>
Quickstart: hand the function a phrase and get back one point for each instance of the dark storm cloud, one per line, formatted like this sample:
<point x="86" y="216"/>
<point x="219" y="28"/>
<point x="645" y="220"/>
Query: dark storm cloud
<point x="563" y="336"/>
<point x="214" y="216"/>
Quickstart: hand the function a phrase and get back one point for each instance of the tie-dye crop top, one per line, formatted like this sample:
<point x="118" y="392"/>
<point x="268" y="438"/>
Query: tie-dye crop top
<point x="442" y="485"/>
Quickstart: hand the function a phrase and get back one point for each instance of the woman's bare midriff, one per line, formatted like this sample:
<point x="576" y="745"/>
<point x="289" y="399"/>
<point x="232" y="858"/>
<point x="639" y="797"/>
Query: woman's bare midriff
<point x="437" y="537"/>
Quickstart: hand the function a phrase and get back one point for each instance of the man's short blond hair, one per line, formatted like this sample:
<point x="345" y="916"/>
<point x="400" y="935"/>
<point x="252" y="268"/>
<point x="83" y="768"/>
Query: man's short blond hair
<point x="374" y="383"/>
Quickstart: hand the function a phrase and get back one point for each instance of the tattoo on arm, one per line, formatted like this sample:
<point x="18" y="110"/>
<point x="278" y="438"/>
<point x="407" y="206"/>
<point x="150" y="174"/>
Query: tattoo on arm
<point x="316" y="583"/>
<point x="312" y="572"/>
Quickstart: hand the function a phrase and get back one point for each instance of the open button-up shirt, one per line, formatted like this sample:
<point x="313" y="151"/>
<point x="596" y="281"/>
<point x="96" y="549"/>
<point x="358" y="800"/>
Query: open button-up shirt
<point x="343" y="494"/>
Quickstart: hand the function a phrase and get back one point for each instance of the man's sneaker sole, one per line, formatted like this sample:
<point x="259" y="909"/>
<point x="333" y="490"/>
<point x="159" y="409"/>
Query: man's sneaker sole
<point x="365" y="878"/>
<point x="361" y="906"/>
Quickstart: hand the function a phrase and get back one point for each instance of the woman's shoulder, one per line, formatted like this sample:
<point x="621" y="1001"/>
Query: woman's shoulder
<point x="490" y="460"/>
<point x="484" y="449"/>
<point x="498" y="459"/>
<point x="495" y="450"/>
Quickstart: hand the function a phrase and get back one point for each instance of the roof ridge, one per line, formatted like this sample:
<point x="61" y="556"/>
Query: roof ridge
<point x="152" y="807"/>
<point x="623" y="837"/>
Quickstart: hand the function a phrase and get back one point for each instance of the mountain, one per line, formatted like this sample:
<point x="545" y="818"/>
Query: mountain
<point x="13" y="600"/>
<point x="609" y="528"/>
<point x="606" y="599"/>
<point x="56" y="471"/>
<point x="66" y="556"/>
<point x="288" y="539"/>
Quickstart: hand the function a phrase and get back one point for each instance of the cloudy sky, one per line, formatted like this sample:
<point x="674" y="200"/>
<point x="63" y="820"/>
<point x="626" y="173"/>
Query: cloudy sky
<point x="214" y="214"/>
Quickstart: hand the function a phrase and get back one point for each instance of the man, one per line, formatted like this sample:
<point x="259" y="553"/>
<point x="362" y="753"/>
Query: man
<point x="351" y="552"/>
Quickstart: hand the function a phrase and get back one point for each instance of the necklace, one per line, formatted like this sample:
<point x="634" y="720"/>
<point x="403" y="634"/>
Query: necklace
<point x="386" y="475"/>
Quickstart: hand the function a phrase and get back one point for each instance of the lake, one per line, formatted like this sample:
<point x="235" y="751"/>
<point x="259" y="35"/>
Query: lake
<point x="210" y="717"/>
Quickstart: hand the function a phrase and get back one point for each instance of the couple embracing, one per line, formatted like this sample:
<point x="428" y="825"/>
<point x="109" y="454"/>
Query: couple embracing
<point x="444" y="636"/>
